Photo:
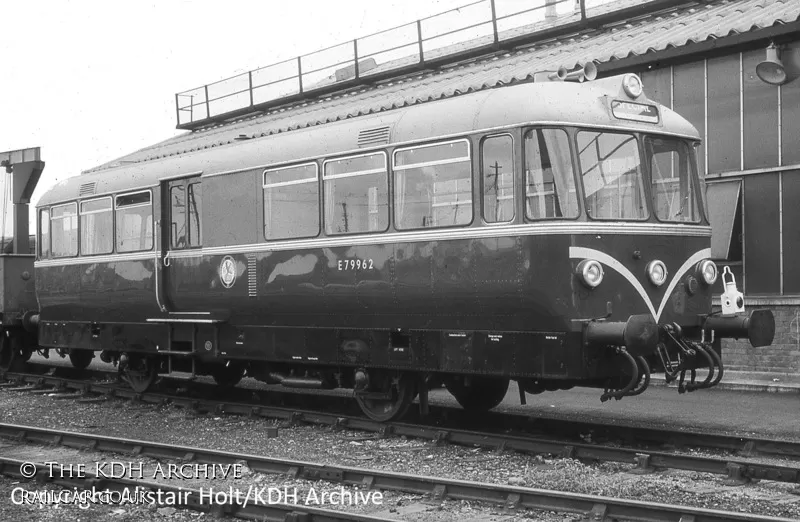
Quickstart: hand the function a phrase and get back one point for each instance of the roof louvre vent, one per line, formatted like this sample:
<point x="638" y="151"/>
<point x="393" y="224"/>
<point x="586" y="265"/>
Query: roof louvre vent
<point x="87" y="189"/>
<point x="376" y="136"/>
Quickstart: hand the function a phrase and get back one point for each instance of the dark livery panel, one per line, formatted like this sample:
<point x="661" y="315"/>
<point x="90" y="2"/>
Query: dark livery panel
<point x="556" y="251"/>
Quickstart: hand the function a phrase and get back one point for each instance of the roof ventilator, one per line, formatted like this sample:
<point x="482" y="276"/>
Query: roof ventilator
<point x="87" y="189"/>
<point x="376" y="136"/>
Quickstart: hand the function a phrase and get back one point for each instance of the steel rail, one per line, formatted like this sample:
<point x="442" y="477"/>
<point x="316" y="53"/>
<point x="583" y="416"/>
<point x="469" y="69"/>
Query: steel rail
<point x="277" y="512"/>
<point x="736" y="470"/>
<point x="436" y="488"/>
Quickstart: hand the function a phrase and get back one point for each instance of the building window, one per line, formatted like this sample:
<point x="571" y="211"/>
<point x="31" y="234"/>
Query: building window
<point x="134" y="214"/>
<point x="64" y="227"/>
<point x="497" y="164"/>
<point x="611" y="171"/>
<point x="762" y="234"/>
<point x="790" y="193"/>
<point x="356" y="194"/>
<point x="790" y="114"/>
<point x="549" y="179"/>
<point x="760" y="115"/>
<point x="433" y="186"/>
<point x="44" y="233"/>
<point x="97" y="232"/>
<point x="724" y="113"/>
<point x="291" y="202"/>
<point x="689" y="93"/>
<point x="658" y="84"/>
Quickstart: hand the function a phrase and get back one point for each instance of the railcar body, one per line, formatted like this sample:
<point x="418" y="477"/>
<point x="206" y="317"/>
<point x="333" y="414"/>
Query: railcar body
<point x="551" y="233"/>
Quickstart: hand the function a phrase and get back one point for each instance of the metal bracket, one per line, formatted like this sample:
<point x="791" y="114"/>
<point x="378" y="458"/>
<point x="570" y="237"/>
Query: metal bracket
<point x="512" y="502"/>
<point x="736" y="474"/>
<point x="598" y="513"/>
<point x="643" y="466"/>
<point x="441" y="437"/>
<point x="439" y="493"/>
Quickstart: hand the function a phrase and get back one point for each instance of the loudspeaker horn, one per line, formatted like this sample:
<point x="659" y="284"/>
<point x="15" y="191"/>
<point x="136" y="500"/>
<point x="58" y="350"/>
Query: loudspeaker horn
<point x="586" y="72"/>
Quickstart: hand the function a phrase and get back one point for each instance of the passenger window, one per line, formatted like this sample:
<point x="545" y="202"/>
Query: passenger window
<point x="177" y="203"/>
<point x="433" y="186"/>
<point x="44" y="233"/>
<point x="497" y="165"/>
<point x="291" y="202"/>
<point x="185" y="207"/>
<point x="97" y="234"/>
<point x="549" y="179"/>
<point x="134" y="229"/>
<point x="64" y="226"/>
<point x="194" y="204"/>
<point x="356" y="194"/>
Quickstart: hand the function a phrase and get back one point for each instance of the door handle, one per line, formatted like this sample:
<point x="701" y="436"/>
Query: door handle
<point x="166" y="258"/>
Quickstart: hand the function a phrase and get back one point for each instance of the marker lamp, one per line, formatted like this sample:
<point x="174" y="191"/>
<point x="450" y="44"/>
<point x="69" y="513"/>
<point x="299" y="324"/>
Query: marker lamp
<point x="632" y="85"/>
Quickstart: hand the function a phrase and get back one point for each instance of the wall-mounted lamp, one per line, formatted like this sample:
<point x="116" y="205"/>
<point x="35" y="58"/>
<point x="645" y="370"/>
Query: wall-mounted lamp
<point x="771" y="70"/>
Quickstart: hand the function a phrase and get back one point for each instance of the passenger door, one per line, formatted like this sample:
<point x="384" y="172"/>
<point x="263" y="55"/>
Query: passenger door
<point x="181" y="242"/>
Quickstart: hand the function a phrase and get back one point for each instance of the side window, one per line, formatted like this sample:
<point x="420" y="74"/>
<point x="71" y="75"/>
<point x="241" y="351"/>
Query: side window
<point x="433" y="186"/>
<point x="194" y="204"/>
<point x="177" y="208"/>
<point x="549" y="179"/>
<point x="97" y="234"/>
<point x="673" y="176"/>
<point x="134" y="229"/>
<point x="497" y="166"/>
<point x="44" y="233"/>
<point x="64" y="226"/>
<point x="291" y="202"/>
<point x="185" y="210"/>
<point x="356" y="194"/>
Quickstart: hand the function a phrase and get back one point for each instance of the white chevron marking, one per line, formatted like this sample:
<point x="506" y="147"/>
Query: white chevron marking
<point x="612" y="263"/>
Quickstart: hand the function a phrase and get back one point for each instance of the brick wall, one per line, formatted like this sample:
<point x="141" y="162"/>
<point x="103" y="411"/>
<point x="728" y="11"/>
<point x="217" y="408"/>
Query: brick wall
<point x="782" y="357"/>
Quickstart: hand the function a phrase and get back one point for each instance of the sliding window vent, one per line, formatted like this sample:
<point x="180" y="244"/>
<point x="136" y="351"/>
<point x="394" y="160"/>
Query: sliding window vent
<point x="376" y="136"/>
<point x="87" y="189"/>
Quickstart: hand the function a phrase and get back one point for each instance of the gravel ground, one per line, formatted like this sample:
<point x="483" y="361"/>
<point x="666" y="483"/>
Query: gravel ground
<point x="756" y="414"/>
<point x="349" y="448"/>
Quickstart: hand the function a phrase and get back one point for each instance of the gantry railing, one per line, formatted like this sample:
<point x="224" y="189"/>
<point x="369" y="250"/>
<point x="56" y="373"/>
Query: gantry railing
<point x="457" y="34"/>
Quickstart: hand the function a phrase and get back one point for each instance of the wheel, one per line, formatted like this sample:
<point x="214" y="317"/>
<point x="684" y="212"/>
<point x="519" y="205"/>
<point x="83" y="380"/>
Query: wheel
<point x="402" y="390"/>
<point x="13" y="354"/>
<point x="483" y="393"/>
<point x="140" y="373"/>
<point x="80" y="359"/>
<point x="229" y="375"/>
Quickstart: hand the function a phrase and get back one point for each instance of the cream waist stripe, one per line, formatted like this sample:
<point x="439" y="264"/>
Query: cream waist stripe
<point x="488" y="232"/>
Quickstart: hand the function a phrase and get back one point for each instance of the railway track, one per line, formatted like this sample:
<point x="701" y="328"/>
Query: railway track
<point x="736" y="470"/>
<point x="276" y="512"/>
<point x="593" y="507"/>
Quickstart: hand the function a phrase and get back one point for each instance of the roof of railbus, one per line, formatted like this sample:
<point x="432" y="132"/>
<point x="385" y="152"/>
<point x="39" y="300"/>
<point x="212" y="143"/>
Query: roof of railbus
<point x="548" y="103"/>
